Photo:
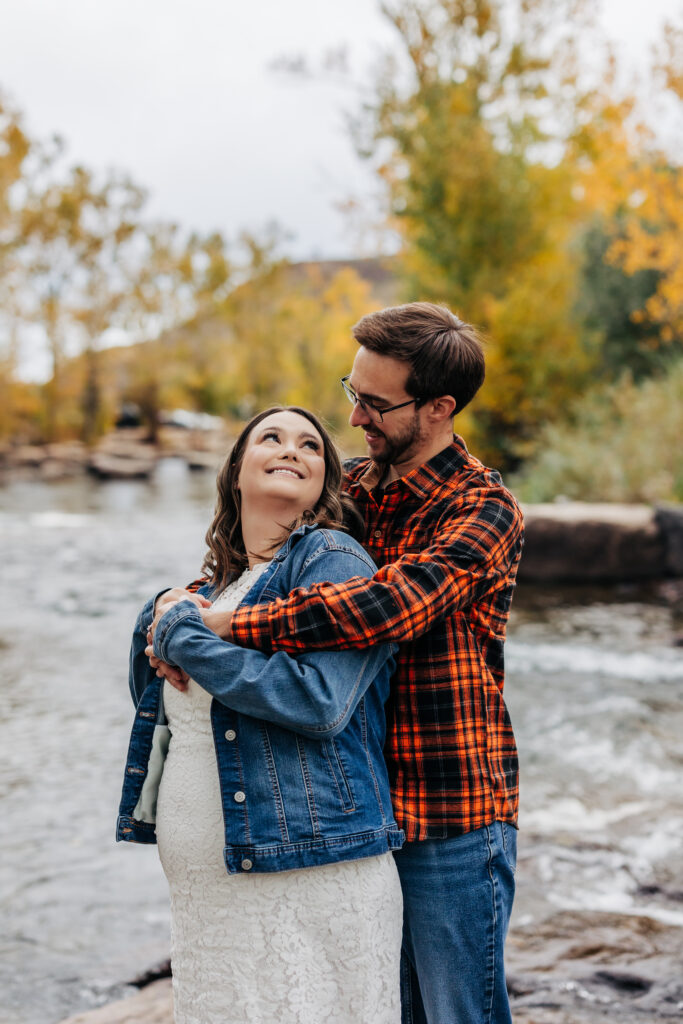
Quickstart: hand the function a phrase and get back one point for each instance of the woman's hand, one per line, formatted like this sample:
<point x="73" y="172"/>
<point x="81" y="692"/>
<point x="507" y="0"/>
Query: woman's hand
<point x="175" y="676"/>
<point x="171" y="597"/>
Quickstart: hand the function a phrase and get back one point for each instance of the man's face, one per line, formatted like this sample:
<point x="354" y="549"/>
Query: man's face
<point x="380" y="381"/>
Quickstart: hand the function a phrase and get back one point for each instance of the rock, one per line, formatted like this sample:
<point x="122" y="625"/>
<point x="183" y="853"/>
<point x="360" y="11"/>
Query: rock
<point x="27" y="455"/>
<point x="118" y="467"/>
<point x="197" y="461"/>
<point x="578" y="542"/>
<point x="57" y="461"/>
<point x="669" y="519"/>
<point x="162" y="969"/>
<point x="64" y="460"/>
<point x="124" y="454"/>
<point x="151" y="1005"/>
<point x="590" y="966"/>
<point x="127" y="444"/>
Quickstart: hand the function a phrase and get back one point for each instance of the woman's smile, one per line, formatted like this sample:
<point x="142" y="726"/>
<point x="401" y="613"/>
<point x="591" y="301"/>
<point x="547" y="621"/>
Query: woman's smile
<point x="286" y="469"/>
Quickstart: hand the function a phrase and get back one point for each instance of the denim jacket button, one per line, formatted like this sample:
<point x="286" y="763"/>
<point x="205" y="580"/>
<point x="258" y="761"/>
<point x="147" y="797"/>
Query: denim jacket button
<point x="239" y="797"/>
<point x="230" y="734"/>
<point x="247" y="864"/>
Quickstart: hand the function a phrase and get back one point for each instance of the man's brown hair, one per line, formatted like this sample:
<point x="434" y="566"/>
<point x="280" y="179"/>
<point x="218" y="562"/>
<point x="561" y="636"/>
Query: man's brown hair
<point x="445" y="353"/>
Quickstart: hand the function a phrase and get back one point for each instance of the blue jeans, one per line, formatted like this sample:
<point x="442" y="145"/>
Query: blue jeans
<point x="457" y="898"/>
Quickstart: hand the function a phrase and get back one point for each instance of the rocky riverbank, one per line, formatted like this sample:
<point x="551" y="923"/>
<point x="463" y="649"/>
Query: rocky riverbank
<point x="565" y="542"/>
<point x="124" y="454"/>
<point x="151" y="1005"/>
<point x="573" y="968"/>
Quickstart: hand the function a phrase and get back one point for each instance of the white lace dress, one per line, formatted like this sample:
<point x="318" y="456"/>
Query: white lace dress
<point x="289" y="947"/>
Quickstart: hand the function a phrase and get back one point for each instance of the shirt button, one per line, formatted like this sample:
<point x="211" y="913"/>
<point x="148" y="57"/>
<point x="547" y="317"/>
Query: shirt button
<point x="378" y="534"/>
<point x="239" y="797"/>
<point x="246" y="864"/>
<point x="231" y="734"/>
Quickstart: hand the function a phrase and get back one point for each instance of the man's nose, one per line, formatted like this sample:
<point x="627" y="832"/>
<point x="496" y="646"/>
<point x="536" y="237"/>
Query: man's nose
<point x="359" y="417"/>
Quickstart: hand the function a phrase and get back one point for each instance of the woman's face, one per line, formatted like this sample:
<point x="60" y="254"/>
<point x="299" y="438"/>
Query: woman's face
<point x="283" y="462"/>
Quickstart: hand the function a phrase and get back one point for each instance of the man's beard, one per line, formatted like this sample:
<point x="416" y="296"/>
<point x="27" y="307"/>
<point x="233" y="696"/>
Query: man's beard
<point x="398" y="445"/>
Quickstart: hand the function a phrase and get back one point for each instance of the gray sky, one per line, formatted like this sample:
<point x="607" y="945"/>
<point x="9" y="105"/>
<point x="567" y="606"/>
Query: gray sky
<point x="180" y="95"/>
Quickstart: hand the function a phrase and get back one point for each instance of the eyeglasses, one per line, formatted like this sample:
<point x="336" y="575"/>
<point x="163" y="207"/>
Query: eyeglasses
<point x="367" y="407"/>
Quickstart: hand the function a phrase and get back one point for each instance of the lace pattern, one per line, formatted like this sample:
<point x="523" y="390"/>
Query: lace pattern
<point x="291" y="947"/>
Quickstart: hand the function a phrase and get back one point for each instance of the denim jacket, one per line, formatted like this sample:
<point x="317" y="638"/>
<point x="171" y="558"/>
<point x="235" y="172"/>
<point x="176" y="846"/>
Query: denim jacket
<point x="298" y="739"/>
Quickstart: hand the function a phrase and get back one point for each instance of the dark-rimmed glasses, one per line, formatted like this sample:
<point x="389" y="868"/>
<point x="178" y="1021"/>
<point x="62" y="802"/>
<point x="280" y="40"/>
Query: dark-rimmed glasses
<point x="371" y="410"/>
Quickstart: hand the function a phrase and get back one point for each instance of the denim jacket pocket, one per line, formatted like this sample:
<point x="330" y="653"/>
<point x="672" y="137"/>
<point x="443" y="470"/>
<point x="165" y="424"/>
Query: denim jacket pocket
<point x="340" y="778"/>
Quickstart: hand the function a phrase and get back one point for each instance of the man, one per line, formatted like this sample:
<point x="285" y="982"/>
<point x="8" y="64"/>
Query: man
<point x="447" y="537"/>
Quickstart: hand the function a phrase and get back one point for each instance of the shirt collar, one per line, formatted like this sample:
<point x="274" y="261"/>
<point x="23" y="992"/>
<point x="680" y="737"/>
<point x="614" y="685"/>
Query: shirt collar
<point x="423" y="479"/>
<point x="293" y="538"/>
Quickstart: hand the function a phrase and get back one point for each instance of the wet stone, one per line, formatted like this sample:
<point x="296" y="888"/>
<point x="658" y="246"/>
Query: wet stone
<point x="554" y="979"/>
<point x="629" y="984"/>
<point x="152" y="1005"/>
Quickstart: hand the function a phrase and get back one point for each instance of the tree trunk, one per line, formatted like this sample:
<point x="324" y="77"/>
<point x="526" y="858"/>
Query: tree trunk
<point x="92" y="396"/>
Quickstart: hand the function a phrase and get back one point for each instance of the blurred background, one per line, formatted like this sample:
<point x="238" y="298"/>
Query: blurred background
<point x="196" y="204"/>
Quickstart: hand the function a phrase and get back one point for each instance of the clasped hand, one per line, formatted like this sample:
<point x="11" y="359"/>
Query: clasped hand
<point x="175" y="676"/>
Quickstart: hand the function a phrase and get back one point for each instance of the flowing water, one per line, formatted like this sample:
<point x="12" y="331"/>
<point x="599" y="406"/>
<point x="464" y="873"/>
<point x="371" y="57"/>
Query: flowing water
<point x="595" y="690"/>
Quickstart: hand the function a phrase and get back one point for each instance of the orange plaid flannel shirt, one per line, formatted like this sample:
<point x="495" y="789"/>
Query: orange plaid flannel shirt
<point x="447" y="538"/>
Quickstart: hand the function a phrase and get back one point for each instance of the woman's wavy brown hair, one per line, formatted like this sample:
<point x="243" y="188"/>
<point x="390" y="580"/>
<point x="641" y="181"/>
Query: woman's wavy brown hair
<point x="226" y="557"/>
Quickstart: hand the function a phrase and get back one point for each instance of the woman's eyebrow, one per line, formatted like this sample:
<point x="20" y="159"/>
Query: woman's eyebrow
<point x="282" y="430"/>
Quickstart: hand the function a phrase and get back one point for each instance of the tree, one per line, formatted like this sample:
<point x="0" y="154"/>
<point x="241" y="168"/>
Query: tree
<point x="179" y="291"/>
<point x="609" y="303"/>
<point x="290" y="333"/>
<point x="466" y="126"/>
<point x="633" y="187"/>
<point x="97" y="270"/>
<point x="14" y="151"/>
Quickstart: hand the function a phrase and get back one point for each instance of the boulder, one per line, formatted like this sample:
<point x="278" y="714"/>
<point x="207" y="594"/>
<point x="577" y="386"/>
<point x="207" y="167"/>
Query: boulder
<point x="579" y="542"/>
<point x="669" y="519"/>
<point x="151" y="1005"/>
<point x="120" y="467"/>
<point x="64" y="460"/>
<point x="198" y="461"/>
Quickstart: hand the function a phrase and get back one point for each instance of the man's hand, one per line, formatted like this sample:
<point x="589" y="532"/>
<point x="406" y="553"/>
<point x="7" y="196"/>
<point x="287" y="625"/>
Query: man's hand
<point x="218" y="622"/>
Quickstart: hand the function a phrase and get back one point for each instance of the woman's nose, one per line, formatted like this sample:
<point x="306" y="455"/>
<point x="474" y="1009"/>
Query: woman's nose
<point x="289" y="450"/>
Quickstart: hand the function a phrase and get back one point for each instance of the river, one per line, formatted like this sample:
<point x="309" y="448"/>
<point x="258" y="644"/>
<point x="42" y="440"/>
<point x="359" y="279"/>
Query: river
<point x="595" y="691"/>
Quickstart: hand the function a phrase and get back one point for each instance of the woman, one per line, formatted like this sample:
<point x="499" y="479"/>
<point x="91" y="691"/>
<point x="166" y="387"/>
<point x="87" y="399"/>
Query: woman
<point x="264" y="782"/>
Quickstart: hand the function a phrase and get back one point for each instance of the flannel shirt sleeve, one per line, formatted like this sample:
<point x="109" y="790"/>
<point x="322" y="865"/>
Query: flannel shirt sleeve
<point x="475" y="551"/>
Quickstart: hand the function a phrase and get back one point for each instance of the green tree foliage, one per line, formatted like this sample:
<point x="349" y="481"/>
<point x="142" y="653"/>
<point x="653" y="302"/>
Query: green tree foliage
<point x="622" y="443"/>
<point x="609" y="301"/>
